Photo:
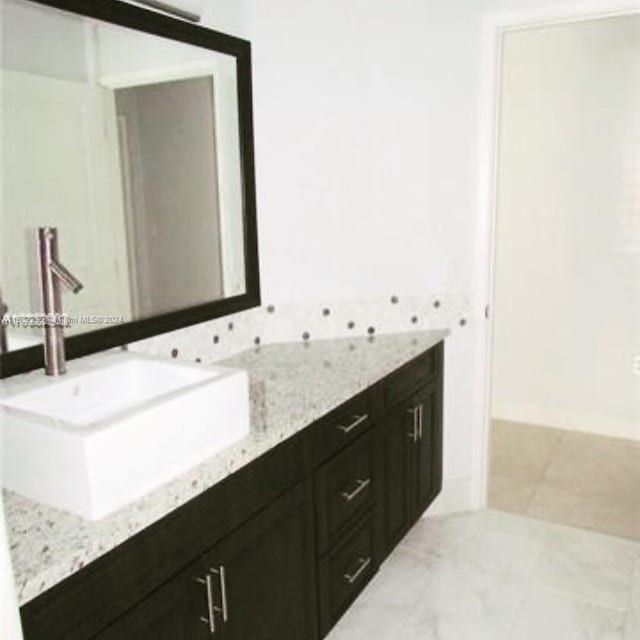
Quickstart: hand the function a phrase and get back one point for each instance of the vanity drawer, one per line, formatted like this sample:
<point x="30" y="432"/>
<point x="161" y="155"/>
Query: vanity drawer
<point x="345" y="572"/>
<point x="340" y="427"/>
<point x="411" y="376"/>
<point x="344" y="489"/>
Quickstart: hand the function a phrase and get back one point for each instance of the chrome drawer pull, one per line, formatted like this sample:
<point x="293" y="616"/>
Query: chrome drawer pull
<point x="414" y="434"/>
<point x="364" y="563"/>
<point x="221" y="573"/>
<point x="420" y="419"/>
<point x="211" y="620"/>
<point x="362" y="485"/>
<point x="357" y="422"/>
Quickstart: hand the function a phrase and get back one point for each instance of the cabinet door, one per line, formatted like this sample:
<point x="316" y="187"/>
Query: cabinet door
<point x="412" y="455"/>
<point x="176" y="611"/>
<point x="429" y="446"/>
<point x="264" y="574"/>
<point x="398" y="454"/>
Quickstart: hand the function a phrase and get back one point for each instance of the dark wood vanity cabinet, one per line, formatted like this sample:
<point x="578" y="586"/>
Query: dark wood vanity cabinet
<point x="398" y="454"/>
<point x="281" y="548"/>
<point x="346" y="508"/>
<point x="255" y="583"/>
<point x="344" y="572"/>
<point x="411" y="436"/>
<point x="428" y="480"/>
<point x="264" y="574"/>
<point x="174" y="612"/>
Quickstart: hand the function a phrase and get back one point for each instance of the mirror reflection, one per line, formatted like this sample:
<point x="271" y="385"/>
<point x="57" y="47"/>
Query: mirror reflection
<point x="128" y="144"/>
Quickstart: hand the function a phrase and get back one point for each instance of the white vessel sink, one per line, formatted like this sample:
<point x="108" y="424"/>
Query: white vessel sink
<point x="116" y="427"/>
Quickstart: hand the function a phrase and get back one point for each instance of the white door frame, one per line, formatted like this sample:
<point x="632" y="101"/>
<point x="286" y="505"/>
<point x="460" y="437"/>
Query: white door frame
<point x="494" y="27"/>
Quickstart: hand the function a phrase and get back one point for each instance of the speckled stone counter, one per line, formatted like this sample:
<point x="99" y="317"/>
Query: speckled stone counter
<point x="292" y="385"/>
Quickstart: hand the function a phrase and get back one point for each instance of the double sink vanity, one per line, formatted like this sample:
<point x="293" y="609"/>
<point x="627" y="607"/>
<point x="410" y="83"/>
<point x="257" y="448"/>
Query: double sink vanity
<point x="274" y="535"/>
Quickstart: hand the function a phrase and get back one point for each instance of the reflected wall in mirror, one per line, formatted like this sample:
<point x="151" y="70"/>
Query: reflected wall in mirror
<point x="138" y="148"/>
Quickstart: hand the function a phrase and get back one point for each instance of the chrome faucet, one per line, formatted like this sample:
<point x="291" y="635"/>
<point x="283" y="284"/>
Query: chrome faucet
<point x="52" y="272"/>
<point x="4" y="340"/>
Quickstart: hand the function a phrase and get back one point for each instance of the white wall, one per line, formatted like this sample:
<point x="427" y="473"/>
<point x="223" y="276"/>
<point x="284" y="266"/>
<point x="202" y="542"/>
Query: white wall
<point x="366" y="130"/>
<point x="25" y="26"/>
<point x="368" y="119"/>
<point x="358" y="173"/>
<point x="568" y="229"/>
<point x="363" y="140"/>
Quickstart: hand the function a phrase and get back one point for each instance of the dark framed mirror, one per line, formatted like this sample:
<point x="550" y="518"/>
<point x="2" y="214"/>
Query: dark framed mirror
<point x="131" y="132"/>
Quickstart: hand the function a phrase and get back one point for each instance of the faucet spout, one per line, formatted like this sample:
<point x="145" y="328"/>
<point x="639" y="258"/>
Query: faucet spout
<point x="65" y="276"/>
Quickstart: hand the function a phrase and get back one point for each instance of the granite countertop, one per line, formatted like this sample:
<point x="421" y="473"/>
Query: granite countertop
<point x="291" y="386"/>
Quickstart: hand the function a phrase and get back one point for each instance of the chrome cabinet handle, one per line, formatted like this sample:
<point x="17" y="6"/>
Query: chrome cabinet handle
<point x="420" y="420"/>
<point x="211" y="620"/>
<point x="414" y="434"/>
<point x="222" y="574"/>
<point x="349" y="428"/>
<point x="364" y="563"/>
<point x="361" y="486"/>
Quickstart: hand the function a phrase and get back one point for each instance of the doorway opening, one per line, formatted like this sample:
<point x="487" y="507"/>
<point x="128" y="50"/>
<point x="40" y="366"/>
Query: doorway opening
<point x="565" y="397"/>
<point x="168" y="156"/>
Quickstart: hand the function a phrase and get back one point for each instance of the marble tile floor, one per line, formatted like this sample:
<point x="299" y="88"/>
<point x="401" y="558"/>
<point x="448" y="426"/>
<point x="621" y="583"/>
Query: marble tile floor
<point x="577" y="479"/>
<point x="499" y="576"/>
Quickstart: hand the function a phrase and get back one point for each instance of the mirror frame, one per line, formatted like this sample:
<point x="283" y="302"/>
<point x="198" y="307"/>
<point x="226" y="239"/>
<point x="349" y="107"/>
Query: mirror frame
<point x="133" y="17"/>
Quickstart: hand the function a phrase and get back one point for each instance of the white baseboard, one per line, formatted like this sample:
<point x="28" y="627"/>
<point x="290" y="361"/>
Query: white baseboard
<point x="569" y="420"/>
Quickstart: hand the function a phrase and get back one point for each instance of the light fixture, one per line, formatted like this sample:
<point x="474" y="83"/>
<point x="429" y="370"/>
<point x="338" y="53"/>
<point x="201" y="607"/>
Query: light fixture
<point x="167" y="8"/>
